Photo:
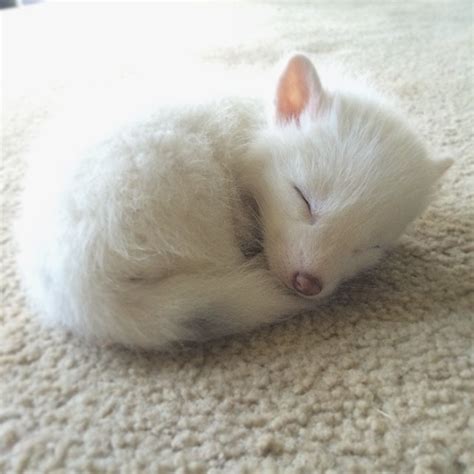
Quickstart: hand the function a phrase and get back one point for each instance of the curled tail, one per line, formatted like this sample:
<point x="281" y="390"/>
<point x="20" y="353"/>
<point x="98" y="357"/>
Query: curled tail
<point x="180" y="308"/>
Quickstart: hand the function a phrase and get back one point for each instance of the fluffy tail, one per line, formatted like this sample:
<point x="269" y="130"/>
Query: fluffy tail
<point x="180" y="308"/>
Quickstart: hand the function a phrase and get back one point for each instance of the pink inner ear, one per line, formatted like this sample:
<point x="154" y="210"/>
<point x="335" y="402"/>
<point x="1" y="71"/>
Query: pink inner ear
<point x="298" y="88"/>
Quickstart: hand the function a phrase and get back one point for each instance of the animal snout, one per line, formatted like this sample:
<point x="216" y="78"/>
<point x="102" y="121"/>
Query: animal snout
<point x="307" y="284"/>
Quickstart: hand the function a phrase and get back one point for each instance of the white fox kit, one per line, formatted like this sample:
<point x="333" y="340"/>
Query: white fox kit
<point x="149" y="234"/>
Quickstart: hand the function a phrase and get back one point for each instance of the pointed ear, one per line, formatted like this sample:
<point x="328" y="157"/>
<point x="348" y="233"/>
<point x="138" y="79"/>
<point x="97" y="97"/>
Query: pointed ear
<point x="442" y="166"/>
<point x="298" y="89"/>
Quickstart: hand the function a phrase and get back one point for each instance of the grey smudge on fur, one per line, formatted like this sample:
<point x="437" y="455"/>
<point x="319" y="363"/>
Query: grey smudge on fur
<point x="207" y="324"/>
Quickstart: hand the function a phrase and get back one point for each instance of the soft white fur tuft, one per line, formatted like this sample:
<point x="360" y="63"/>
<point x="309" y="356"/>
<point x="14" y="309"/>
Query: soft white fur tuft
<point x="142" y="229"/>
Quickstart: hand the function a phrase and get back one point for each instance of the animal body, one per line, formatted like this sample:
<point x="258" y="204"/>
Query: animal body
<point x="195" y="221"/>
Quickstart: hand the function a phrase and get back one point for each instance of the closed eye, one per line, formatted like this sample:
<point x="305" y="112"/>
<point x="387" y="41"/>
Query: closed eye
<point x="303" y="197"/>
<point x="373" y="247"/>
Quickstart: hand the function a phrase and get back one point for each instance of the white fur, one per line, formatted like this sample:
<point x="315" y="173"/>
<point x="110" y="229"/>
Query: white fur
<point x="141" y="230"/>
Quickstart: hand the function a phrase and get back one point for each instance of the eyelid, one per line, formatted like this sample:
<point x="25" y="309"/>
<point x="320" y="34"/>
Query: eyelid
<point x="298" y="190"/>
<point x="373" y="247"/>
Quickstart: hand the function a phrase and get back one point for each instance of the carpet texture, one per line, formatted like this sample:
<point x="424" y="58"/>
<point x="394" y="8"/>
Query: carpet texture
<point x="380" y="379"/>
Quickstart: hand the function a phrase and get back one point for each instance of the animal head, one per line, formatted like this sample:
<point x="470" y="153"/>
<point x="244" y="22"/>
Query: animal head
<point x="340" y="176"/>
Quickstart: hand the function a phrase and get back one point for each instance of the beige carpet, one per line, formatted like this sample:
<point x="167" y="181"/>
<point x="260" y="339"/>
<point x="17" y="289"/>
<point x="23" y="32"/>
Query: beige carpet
<point x="381" y="379"/>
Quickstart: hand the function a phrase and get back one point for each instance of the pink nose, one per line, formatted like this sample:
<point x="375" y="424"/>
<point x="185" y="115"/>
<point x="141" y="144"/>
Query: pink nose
<point x="307" y="284"/>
